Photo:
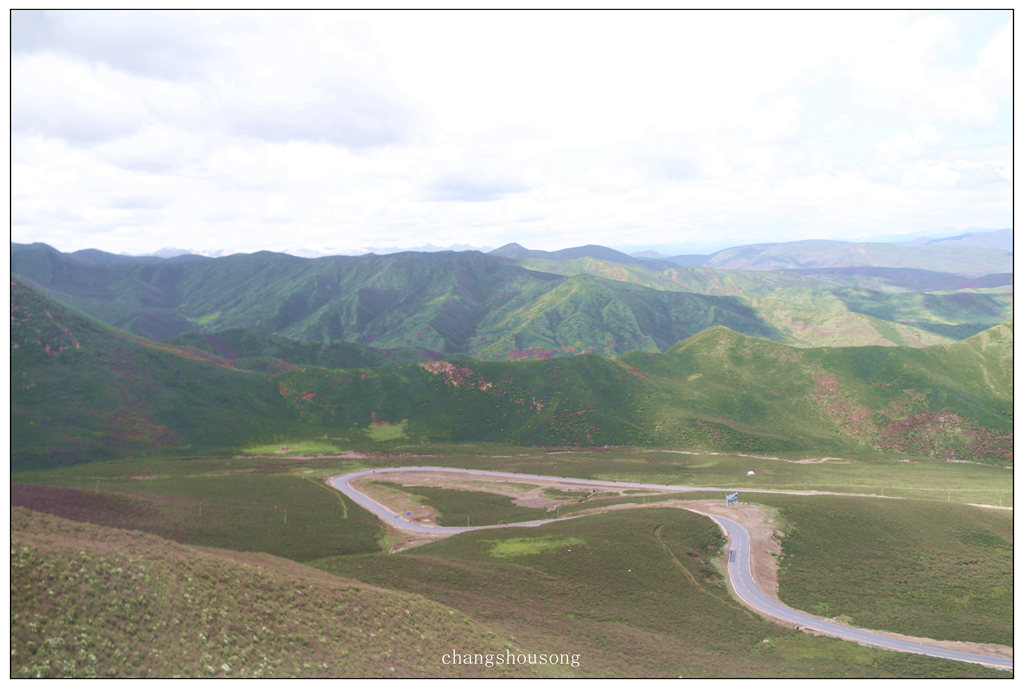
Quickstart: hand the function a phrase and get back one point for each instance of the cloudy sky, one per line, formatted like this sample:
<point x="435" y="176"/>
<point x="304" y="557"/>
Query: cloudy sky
<point x="336" y="132"/>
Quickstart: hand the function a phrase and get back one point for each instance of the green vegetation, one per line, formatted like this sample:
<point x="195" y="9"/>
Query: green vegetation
<point x="519" y="547"/>
<point x="926" y="569"/>
<point x="829" y="307"/>
<point x="718" y="390"/>
<point x="89" y="601"/>
<point x="584" y="604"/>
<point x="464" y="359"/>
<point x="384" y="431"/>
<point x="284" y="515"/>
<point x="273" y="311"/>
<point x="641" y="596"/>
<point x="271" y="353"/>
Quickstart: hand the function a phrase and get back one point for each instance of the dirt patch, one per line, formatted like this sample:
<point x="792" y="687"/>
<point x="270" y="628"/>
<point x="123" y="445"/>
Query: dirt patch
<point x="519" y="491"/>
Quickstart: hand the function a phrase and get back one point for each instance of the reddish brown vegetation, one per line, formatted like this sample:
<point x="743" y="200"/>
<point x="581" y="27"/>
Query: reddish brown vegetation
<point x="456" y="375"/>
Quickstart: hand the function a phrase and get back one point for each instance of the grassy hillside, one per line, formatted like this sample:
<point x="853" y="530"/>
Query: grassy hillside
<point x="928" y="569"/>
<point x="90" y="601"/>
<point x="720" y="388"/>
<point x="717" y="390"/>
<point x="634" y="597"/>
<point x="81" y="391"/>
<point x="273" y="353"/>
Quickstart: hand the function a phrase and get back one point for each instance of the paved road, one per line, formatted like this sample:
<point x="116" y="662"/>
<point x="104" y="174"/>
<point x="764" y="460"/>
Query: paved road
<point x="742" y="583"/>
<point x="738" y="561"/>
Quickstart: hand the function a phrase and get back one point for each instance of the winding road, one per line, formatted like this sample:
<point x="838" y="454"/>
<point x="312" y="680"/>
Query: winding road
<point x="737" y="560"/>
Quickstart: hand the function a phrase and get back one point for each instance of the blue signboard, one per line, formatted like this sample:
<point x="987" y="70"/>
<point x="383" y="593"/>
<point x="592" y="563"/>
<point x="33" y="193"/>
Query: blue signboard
<point x="734" y="497"/>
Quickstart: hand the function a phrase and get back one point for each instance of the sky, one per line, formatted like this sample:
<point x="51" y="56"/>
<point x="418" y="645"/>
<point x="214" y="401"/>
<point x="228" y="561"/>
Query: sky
<point x="321" y="132"/>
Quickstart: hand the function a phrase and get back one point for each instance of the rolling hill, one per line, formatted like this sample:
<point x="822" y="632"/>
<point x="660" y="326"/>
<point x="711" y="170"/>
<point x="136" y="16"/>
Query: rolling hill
<point x="81" y="391"/>
<point x="273" y="353"/>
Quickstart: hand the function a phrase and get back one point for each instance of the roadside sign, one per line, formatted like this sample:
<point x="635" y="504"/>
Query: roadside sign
<point x="734" y="497"/>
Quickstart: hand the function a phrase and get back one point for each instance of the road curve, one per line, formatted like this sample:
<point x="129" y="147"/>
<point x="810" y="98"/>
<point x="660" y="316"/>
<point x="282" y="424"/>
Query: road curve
<point x="737" y="560"/>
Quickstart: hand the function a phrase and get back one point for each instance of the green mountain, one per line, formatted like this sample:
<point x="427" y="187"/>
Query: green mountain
<point x="273" y="353"/>
<point x="452" y="303"/>
<point x="720" y="388"/>
<point x="833" y="306"/>
<point x="81" y="390"/>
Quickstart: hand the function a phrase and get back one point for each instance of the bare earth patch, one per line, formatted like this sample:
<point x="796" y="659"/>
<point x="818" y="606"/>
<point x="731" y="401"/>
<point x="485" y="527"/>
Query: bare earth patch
<point x="526" y="495"/>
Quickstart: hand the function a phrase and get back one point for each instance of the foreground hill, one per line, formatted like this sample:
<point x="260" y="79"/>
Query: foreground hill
<point x="81" y="390"/>
<point x="90" y="601"/>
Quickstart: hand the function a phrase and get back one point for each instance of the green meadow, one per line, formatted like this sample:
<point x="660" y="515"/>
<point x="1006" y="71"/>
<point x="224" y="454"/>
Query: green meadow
<point x="631" y="593"/>
<point x="637" y="593"/>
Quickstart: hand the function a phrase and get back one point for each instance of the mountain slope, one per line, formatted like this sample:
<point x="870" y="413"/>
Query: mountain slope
<point x="273" y="353"/>
<point x="135" y="605"/>
<point x="444" y="302"/>
<point x="81" y="391"/>
<point x="720" y="388"/>
<point x="831" y="306"/>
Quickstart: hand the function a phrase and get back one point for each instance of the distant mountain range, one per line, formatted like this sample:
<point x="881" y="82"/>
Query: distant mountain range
<point x="514" y="303"/>
<point x="977" y="253"/>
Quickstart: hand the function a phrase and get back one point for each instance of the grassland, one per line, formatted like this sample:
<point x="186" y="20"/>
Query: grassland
<point x="926" y="569"/>
<point x="618" y="598"/>
<point x="636" y="594"/>
<point x="90" y="601"/>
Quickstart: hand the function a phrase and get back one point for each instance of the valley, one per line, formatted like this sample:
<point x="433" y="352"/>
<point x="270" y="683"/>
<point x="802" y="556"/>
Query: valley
<point x="584" y="421"/>
<point x="406" y="344"/>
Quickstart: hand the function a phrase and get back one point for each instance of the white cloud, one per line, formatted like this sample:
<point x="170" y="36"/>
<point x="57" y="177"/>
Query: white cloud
<point x="902" y="145"/>
<point x="349" y="129"/>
